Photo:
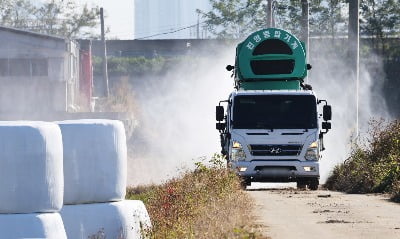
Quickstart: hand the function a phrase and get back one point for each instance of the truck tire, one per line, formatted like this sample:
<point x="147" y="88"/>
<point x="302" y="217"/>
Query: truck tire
<point x="301" y="184"/>
<point x="313" y="184"/>
<point x="244" y="183"/>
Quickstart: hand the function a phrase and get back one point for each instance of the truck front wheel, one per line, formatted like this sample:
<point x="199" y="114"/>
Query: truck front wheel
<point x="313" y="184"/>
<point x="310" y="183"/>
<point x="301" y="184"/>
<point x="244" y="183"/>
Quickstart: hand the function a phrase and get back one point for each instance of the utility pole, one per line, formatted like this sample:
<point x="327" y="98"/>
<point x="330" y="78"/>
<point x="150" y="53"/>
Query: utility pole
<point x="354" y="51"/>
<point x="198" y="26"/>
<point x="104" y="65"/>
<point x="269" y="13"/>
<point x="305" y="32"/>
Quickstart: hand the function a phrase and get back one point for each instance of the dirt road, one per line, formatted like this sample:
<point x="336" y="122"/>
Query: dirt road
<point x="290" y="213"/>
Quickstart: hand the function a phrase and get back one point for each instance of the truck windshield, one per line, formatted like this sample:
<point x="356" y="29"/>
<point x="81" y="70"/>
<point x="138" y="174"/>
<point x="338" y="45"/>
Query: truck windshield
<point x="274" y="112"/>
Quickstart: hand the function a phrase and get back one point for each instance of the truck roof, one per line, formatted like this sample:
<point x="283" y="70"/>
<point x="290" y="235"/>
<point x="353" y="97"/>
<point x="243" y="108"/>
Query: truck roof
<point x="273" y="92"/>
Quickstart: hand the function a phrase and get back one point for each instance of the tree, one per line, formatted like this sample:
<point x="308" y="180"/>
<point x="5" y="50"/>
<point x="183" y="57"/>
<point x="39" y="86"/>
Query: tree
<point x="234" y="18"/>
<point x="238" y="18"/>
<point x="16" y="13"/>
<point x="288" y="15"/>
<point x="54" y="17"/>
<point x="328" y="17"/>
<point x="380" y="19"/>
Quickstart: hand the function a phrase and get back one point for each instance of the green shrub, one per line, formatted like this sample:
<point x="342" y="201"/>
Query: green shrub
<point x="374" y="167"/>
<point x="130" y="65"/>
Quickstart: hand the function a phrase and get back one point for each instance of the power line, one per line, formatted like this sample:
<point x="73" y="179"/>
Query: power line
<point x="184" y="28"/>
<point x="169" y="32"/>
<point x="143" y="30"/>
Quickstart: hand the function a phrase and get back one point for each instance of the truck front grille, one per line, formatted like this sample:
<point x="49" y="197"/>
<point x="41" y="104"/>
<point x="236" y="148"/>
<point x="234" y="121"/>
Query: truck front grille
<point x="275" y="149"/>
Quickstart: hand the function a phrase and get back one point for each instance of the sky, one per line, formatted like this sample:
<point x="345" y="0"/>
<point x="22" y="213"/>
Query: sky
<point x="159" y="16"/>
<point x="119" y="17"/>
<point x="169" y="19"/>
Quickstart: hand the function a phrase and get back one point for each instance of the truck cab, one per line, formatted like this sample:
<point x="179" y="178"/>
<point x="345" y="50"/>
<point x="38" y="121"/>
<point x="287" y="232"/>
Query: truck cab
<point x="271" y="130"/>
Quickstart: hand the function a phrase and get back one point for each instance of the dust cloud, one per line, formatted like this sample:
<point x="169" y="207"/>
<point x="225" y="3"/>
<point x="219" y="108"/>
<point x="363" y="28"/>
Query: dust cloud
<point x="177" y="118"/>
<point x="332" y="80"/>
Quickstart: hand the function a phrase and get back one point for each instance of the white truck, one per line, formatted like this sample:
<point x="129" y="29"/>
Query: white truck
<point x="270" y="130"/>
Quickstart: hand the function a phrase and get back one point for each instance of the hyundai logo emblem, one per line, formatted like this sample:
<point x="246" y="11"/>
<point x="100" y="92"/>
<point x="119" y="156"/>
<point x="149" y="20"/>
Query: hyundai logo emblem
<point x="275" y="150"/>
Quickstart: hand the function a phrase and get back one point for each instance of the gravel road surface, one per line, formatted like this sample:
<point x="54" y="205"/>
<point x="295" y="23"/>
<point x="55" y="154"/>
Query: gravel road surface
<point x="291" y="213"/>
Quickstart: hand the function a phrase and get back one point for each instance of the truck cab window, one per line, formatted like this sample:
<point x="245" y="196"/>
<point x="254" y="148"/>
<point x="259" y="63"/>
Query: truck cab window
<point x="274" y="112"/>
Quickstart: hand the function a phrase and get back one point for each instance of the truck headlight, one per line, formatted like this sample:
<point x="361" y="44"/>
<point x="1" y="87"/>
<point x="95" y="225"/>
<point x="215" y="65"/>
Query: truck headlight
<point x="237" y="152"/>
<point x="312" y="152"/>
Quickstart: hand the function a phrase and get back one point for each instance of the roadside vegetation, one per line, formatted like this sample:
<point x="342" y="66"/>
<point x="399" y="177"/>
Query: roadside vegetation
<point x="136" y="66"/>
<point x="130" y="65"/>
<point x="204" y="203"/>
<point x="373" y="166"/>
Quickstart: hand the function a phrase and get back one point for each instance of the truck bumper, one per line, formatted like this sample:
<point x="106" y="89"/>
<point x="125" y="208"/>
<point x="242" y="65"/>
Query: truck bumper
<point x="276" y="171"/>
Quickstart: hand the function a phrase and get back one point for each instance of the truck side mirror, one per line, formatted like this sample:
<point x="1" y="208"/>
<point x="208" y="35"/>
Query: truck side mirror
<point x="219" y="113"/>
<point x="220" y="126"/>
<point x="229" y="67"/>
<point x="327" y="112"/>
<point x="326" y="125"/>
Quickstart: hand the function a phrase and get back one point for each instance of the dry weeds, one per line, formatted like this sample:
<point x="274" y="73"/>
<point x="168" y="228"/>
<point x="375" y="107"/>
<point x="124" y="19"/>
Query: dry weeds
<point x="205" y="203"/>
<point x="372" y="167"/>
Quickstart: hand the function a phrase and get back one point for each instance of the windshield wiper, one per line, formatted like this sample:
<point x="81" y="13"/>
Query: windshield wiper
<point x="297" y="126"/>
<point x="264" y="125"/>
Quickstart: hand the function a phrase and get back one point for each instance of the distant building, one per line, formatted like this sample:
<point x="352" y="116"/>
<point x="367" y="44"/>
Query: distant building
<point x="153" y="17"/>
<point x="38" y="73"/>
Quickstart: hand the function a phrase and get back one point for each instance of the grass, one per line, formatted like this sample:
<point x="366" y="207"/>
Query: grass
<point x="204" y="203"/>
<point x="374" y="165"/>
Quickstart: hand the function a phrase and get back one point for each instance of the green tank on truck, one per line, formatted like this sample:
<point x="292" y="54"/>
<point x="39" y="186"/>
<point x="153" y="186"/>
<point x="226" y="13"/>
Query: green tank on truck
<point x="271" y="129"/>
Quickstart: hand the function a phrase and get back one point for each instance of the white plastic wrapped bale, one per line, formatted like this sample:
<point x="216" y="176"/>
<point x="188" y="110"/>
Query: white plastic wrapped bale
<point x="31" y="167"/>
<point x="95" y="160"/>
<point x="35" y="225"/>
<point x="123" y="220"/>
